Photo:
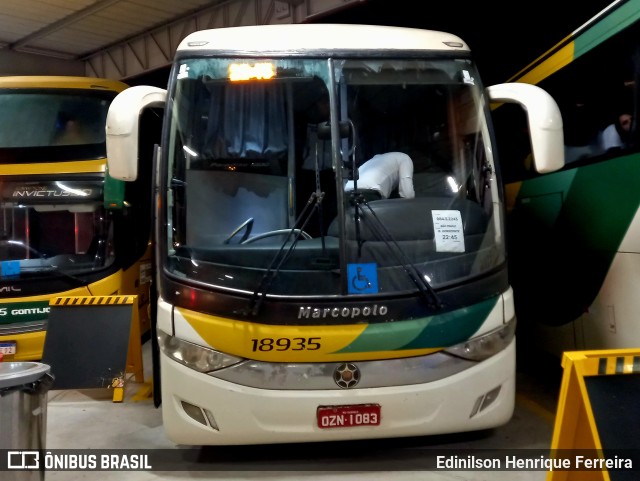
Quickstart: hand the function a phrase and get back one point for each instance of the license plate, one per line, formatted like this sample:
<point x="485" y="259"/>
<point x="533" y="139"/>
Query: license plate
<point x="348" y="416"/>
<point x="7" y="348"/>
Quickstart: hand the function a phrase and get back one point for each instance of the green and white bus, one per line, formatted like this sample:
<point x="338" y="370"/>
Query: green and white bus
<point x="292" y="309"/>
<point x="574" y="234"/>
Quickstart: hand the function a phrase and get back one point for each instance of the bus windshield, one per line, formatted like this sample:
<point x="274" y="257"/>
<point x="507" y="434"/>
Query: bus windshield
<point x="54" y="227"/>
<point x="52" y="125"/>
<point x="270" y="187"/>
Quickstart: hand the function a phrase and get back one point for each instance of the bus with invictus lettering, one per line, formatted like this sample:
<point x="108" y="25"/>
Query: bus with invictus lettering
<point x="66" y="227"/>
<point x="295" y="304"/>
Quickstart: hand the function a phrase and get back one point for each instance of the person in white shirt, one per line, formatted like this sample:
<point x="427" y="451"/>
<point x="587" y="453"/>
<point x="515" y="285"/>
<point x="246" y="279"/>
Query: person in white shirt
<point x="616" y="135"/>
<point x="385" y="173"/>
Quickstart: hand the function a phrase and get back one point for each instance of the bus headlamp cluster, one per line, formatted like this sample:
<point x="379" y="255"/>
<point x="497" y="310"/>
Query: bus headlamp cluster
<point x="198" y="358"/>
<point x="483" y="347"/>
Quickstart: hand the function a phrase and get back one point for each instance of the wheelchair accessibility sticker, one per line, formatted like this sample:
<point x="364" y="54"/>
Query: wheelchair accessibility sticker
<point x="363" y="278"/>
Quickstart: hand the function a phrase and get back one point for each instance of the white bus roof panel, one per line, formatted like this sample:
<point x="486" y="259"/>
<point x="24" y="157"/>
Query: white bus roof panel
<point x="302" y="37"/>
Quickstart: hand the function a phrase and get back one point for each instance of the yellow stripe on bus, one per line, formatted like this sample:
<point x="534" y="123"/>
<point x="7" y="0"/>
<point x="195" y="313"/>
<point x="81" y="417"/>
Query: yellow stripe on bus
<point x="75" y="167"/>
<point x="61" y="82"/>
<point x="284" y="343"/>
<point x="511" y="192"/>
<point x="558" y="60"/>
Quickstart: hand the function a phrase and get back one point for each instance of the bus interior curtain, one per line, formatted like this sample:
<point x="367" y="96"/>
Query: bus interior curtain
<point x="247" y="121"/>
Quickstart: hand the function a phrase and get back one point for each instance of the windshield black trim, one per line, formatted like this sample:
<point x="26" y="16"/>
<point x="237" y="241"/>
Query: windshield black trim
<point x="50" y="282"/>
<point x="53" y="153"/>
<point x="282" y="310"/>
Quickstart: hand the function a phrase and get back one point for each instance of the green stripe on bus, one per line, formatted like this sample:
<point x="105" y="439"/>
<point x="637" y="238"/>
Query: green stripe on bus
<point x="24" y="312"/>
<point x="583" y="207"/>
<point x="441" y="330"/>
<point x="612" y="24"/>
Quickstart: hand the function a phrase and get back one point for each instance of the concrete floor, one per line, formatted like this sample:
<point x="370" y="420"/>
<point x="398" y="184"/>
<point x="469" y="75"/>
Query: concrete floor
<point x="88" y="419"/>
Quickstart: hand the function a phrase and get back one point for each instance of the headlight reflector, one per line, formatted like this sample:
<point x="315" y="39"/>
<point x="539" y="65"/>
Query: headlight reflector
<point x="484" y="346"/>
<point x="198" y="358"/>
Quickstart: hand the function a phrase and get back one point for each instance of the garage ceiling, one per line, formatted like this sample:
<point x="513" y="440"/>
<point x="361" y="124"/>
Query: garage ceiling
<point x="72" y="29"/>
<point x="125" y="39"/>
<point x="122" y="38"/>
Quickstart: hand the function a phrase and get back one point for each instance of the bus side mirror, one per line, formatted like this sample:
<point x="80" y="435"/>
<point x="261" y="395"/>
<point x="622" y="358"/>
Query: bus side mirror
<point x="544" y="121"/>
<point x="123" y="122"/>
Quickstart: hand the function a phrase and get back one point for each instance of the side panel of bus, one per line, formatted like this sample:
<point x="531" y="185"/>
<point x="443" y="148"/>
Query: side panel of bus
<point x="574" y="248"/>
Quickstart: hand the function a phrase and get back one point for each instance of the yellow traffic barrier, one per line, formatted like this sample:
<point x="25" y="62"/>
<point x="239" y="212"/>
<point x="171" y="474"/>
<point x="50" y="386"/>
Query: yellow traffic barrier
<point x="596" y="409"/>
<point x="94" y="342"/>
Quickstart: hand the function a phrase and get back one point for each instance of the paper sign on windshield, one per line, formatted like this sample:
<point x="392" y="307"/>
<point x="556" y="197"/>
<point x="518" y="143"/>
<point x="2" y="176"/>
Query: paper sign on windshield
<point x="447" y="227"/>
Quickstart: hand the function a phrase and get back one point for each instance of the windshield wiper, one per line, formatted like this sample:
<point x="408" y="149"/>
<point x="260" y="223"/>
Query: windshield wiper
<point x="377" y="227"/>
<point x="314" y="202"/>
<point x="46" y="268"/>
<point x="58" y="270"/>
<point x="43" y="261"/>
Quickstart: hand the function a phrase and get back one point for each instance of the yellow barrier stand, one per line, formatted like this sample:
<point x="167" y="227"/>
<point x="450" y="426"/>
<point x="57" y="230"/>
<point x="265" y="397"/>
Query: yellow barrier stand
<point x="104" y="320"/>
<point x="575" y="424"/>
<point x="134" y="351"/>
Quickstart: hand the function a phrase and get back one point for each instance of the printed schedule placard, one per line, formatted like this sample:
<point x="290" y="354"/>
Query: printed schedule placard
<point x="448" y="232"/>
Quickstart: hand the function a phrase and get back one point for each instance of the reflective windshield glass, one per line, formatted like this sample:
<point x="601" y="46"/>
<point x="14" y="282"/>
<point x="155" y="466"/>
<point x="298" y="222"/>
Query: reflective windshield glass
<point x="385" y="186"/>
<point x="53" y="228"/>
<point x="61" y="124"/>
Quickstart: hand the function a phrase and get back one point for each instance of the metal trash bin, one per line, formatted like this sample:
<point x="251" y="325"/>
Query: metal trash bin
<point x="23" y="411"/>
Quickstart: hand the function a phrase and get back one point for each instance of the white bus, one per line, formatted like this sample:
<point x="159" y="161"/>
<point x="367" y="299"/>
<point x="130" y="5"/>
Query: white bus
<point x="291" y="309"/>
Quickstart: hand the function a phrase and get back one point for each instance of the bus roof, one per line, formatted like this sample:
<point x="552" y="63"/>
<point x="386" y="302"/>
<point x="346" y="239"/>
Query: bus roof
<point x="612" y="19"/>
<point x="61" y="82"/>
<point x="297" y="38"/>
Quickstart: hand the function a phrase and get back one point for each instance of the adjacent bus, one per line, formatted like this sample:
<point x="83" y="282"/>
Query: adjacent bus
<point x="574" y="243"/>
<point x="66" y="228"/>
<point x="295" y="305"/>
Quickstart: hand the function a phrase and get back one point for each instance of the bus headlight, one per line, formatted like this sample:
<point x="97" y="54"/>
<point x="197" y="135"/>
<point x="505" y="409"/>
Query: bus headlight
<point x="198" y="358"/>
<point x="483" y="347"/>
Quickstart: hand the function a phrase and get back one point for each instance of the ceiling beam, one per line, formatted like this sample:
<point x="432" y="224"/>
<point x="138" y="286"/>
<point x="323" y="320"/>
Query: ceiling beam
<point x="62" y="23"/>
<point x="155" y="48"/>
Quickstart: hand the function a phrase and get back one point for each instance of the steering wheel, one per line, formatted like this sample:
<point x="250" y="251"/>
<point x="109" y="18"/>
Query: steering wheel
<point x="273" y="233"/>
<point x="247" y="225"/>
